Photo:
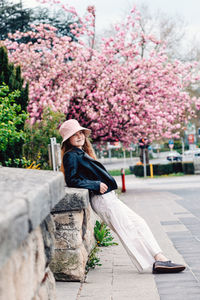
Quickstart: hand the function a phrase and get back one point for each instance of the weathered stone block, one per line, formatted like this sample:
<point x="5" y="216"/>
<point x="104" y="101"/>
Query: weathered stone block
<point x="75" y="199"/>
<point x="69" y="265"/>
<point x="13" y="226"/>
<point x="6" y="275"/>
<point x="48" y="229"/>
<point x="38" y="205"/>
<point x="25" y="271"/>
<point x="68" y="239"/>
<point x="46" y="290"/>
<point x="74" y="235"/>
<point x="68" y="220"/>
<point x="56" y="189"/>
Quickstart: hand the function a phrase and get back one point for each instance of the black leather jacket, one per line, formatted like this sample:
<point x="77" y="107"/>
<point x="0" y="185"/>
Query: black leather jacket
<point x="82" y="171"/>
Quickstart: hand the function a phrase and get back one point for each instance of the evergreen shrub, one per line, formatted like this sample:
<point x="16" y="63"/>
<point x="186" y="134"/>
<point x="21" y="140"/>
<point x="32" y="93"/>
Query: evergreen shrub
<point x="163" y="169"/>
<point x="188" y="168"/>
<point x="13" y="103"/>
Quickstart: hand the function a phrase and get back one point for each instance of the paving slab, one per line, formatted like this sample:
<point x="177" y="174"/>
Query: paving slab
<point x="67" y="290"/>
<point x="119" y="280"/>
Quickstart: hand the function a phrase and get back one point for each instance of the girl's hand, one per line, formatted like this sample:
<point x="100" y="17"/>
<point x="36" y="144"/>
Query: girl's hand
<point x="103" y="187"/>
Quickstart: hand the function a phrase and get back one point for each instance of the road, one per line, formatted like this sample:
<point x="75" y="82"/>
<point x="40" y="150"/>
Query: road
<point x="172" y="205"/>
<point x="125" y="163"/>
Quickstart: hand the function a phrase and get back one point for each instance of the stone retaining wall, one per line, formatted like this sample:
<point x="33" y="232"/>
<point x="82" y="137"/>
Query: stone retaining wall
<point x="44" y="227"/>
<point x="26" y="240"/>
<point x="26" y="274"/>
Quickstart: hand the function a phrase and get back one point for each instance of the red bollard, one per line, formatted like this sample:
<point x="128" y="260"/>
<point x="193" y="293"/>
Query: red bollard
<point x="123" y="181"/>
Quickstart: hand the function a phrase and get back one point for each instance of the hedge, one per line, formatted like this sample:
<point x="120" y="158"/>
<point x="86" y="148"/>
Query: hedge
<point x="165" y="169"/>
<point x="188" y="168"/>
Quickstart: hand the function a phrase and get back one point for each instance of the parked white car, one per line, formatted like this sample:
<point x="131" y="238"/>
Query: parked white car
<point x="189" y="155"/>
<point x="174" y="156"/>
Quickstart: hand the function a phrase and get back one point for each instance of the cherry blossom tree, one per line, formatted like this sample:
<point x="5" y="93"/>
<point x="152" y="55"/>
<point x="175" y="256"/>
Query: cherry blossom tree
<point x="115" y="90"/>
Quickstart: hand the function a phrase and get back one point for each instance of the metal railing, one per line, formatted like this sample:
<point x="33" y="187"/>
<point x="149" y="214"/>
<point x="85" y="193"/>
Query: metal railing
<point x="54" y="150"/>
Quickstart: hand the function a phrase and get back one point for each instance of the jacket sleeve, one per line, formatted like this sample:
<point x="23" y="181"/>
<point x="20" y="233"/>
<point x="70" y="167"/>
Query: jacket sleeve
<point x="70" y="162"/>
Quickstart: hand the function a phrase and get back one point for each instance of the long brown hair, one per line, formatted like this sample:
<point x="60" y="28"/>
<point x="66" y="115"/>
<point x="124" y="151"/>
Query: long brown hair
<point x="87" y="147"/>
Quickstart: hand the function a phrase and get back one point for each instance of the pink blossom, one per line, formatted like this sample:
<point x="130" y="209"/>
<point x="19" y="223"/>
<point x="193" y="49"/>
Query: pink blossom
<point x="112" y="90"/>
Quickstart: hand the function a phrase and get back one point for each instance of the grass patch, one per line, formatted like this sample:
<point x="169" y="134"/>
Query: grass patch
<point x="118" y="172"/>
<point x="168" y="175"/>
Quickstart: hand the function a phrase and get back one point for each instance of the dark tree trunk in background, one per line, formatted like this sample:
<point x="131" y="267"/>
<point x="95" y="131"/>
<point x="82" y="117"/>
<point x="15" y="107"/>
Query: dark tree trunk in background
<point x="146" y="155"/>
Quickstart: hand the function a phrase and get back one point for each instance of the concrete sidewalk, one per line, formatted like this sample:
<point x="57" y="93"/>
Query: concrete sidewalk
<point x="159" y="203"/>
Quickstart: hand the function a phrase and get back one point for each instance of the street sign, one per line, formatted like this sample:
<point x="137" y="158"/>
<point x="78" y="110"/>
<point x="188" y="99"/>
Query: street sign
<point x="191" y="138"/>
<point x="171" y="144"/>
<point x="113" y="145"/>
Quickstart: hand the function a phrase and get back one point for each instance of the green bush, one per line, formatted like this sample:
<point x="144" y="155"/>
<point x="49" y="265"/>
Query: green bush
<point x="165" y="169"/>
<point x="11" y="117"/>
<point x="177" y="167"/>
<point x="138" y="170"/>
<point x="38" y="137"/>
<point x="11" y="76"/>
<point x="21" y="163"/>
<point x="18" y="162"/>
<point x="188" y="168"/>
<point x="13" y="103"/>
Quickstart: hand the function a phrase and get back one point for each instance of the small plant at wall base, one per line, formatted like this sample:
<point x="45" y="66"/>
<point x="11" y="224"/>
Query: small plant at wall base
<point x="103" y="235"/>
<point x="93" y="259"/>
<point x="103" y="239"/>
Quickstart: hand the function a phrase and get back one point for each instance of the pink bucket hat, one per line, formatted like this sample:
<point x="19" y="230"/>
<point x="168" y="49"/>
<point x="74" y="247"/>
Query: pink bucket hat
<point x="69" y="128"/>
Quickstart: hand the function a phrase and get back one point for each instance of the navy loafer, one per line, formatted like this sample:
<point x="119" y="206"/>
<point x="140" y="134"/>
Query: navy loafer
<point x="167" y="267"/>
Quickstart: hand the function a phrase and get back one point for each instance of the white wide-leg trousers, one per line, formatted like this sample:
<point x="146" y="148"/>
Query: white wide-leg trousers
<point x="132" y="230"/>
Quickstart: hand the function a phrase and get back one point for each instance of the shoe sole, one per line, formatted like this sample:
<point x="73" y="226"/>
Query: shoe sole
<point x="168" y="269"/>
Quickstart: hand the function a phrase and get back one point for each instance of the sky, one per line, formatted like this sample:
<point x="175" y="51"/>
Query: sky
<point x="110" y="11"/>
